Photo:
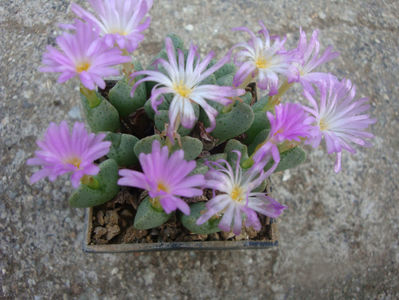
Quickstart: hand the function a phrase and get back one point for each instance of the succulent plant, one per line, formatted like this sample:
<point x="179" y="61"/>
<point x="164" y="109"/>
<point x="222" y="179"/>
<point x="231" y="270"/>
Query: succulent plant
<point x="193" y="138"/>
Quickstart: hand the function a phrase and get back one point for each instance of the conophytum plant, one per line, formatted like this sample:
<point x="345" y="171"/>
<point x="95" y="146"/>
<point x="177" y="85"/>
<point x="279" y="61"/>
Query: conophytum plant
<point x="185" y="125"/>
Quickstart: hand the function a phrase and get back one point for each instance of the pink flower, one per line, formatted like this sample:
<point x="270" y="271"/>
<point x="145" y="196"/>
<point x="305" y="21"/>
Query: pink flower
<point x="261" y="60"/>
<point x="339" y="118"/>
<point x="236" y="198"/>
<point x="182" y="79"/>
<point x="308" y="58"/>
<point x="119" y="21"/>
<point x="63" y="152"/>
<point x="84" y="55"/>
<point x="165" y="178"/>
<point x="290" y="123"/>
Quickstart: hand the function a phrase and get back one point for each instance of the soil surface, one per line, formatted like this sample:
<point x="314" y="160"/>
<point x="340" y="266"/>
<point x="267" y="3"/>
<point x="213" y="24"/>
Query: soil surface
<point x="112" y="223"/>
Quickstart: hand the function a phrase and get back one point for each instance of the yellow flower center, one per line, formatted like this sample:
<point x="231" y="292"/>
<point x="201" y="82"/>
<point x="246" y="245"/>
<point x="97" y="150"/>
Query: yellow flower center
<point x="182" y="90"/>
<point x="82" y="66"/>
<point x="237" y="194"/>
<point x="118" y="31"/>
<point x="281" y="130"/>
<point x="163" y="187"/>
<point x="261" y="63"/>
<point x="76" y="161"/>
<point x="323" y="125"/>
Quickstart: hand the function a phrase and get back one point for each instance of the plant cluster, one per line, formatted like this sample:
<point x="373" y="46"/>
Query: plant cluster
<point x="185" y="124"/>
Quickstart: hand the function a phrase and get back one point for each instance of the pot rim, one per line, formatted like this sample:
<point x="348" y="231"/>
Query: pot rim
<point x="165" y="246"/>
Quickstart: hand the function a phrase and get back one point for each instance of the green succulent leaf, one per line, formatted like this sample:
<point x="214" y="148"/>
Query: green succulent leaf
<point x="122" y="149"/>
<point x="192" y="147"/>
<point x="213" y="157"/>
<point x="211" y="79"/>
<point x="107" y="189"/>
<point x="226" y="80"/>
<point x="233" y="123"/>
<point x="148" y="217"/>
<point x="150" y="111"/>
<point x="232" y="156"/>
<point x="211" y="226"/>
<point x="247" y="98"/>
<point x="201" y="168"/>
<point x="290" y="159"/>
<point x="145" y="145"/>
<point x="229" y="68"/>
<point x="260" y="104"/>
<point x="261" y="122"/>
<point x="259" y="138"/>
<point x="120" y="98"/>
<point x="102" y="117"/>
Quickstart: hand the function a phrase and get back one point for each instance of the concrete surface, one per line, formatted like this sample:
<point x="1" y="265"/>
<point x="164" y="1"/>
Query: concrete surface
<point x="339" y="237"/>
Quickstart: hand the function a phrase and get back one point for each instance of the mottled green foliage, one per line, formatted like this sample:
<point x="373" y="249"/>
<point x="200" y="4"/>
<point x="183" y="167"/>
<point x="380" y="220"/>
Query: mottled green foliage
<point x="232" y="156"/>
<point x="210" y="226"/>
<point x="145" y="145"/>
<point x="233" y="123"/>
<point x="201" y="168"/>
<point x="122" y="149"/>
<point x="261" y="122"/>
<point x="229" y="68"/>
<point x="107" y="179"/>
<point x="192" y="147"/>
<point x="290" y="159"/>
<point x="226" y="80"/>
<point x="150" y="111"/>
<point x="120" y="98"/>
<point x="211" y="79"/>
<point x="103" y="117"/>
<point x="260" y="104"/>
<point x="148" y="217"/>
<point x="259" y="138"/>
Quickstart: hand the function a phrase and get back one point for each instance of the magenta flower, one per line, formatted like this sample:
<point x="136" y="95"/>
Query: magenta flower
<point x="183" y="81"/>
<point x="84" y="55"/>
<point x="308" y="58"/>
<point x="339" y="118"/>
<point x="63" y="152"/>
<point x="262" y="60"/>
<point x="119" y="21"/>
<point x="165" y="178"/>
<point x="236" y="198"/>
<point x="290" y="123"/>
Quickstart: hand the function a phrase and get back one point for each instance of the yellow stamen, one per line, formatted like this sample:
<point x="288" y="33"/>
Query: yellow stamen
<point x="182" y="90"/>
<point x="237" y="194"/>
<point x="83" y="66"/>
<point x="76" y="161"/>
<point x="323" y="125"/>
<point x="281" y="130"/>
<point x="261" y="63"/>
<point x="163" y="187"/>
<point x="118" y="31"/>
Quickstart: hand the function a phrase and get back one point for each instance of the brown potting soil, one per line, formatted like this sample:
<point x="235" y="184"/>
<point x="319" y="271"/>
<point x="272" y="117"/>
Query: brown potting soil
<point x="112" y="223"/>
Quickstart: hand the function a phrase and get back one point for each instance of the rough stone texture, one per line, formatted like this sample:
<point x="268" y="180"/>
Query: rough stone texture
<point x="339" y="237"/>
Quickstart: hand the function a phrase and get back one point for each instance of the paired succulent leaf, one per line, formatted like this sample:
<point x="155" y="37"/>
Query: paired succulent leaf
<point x="120" y="98"/>
<point x="148" y="217"/>
<point x="192" y="147"/>
<point x="107" y="187"/>
<point x="103" y="116"/>
<point x="122" y="148"/>
<point x="210" y="226"/>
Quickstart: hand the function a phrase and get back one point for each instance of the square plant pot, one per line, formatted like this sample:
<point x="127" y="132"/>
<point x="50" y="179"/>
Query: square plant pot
<point x="195" y="242"/>
<point x="109" y="227"/>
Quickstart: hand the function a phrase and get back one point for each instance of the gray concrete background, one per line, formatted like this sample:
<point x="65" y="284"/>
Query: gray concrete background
<point x="339" y="237"/>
